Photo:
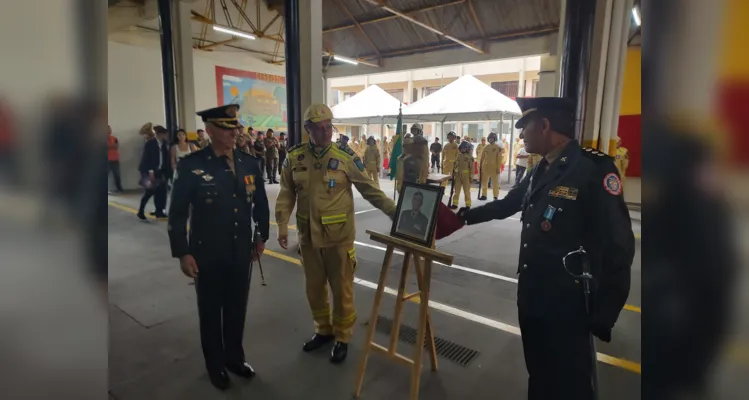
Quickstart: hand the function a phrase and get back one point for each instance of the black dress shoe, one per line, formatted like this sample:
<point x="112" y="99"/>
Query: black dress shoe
<point x="219" y="379"/>
<point x="339" y="353"/>
<point x="317" y="341"/>
<point x="482" y="198"/>
<point x="453" y="207"/>
<point x="244" y="370"/>
<point x="142" y="217"/>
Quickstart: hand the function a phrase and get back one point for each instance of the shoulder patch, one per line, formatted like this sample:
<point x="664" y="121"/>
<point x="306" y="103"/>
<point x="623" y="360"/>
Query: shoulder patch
<point x="359" y="164"/>
<point x="612" y="184"/>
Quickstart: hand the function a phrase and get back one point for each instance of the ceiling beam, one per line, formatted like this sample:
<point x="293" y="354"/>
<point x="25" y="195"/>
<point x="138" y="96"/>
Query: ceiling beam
<point x="421" y="49"/>
<point x="359" y="60"/>
<point x="343" y="7"/>
<point x="410" y="13"/>
<point x="382" y="5"/>
<point x="476" y="18"/>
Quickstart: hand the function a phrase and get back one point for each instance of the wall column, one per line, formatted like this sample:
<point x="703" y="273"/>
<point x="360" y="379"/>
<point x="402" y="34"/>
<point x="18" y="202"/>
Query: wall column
<point x="310" y="51"/>
<point x="186" y="118"/>
<point x="521" y="79"/>
<point x="548" y="83"/>
<point x="408" y="98"/>
<point x="167" y="66"/>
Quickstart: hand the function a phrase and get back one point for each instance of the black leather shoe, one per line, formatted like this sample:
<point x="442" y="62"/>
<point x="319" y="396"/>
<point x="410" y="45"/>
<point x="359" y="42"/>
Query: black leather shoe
<point x="244" y="370"/>
<point x="317" y="341"/>
<point x="339" y="353"/>
<point x="220" y="379"/>
<point x="453" y="207"/>
<point x="482" y="198"/>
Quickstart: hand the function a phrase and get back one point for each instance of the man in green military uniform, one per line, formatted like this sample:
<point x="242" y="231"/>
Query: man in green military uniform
<point x="317" y="179"/>
<point x="220" y="189"/>
<point x="271" y="156"/>
<point x="571" y="199"/>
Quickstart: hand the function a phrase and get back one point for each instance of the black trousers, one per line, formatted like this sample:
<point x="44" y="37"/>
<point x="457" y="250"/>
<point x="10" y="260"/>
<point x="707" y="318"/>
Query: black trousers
<point x="436" y="161"/>
<point x="222" y="291"/>
<point x="114" y="168"/>
<point x="557" y="357"/>
<point x="281" y="158"/>
<point x="159" y="194"/>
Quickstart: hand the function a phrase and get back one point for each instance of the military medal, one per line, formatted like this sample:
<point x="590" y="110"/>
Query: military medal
<point x="548" y="215"/>
<point x="207" y="178"/>
<point x="249" y="184"/>
<point x="331" y="185"/>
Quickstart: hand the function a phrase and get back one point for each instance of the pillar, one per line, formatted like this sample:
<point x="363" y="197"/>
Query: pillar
<point x="185" y="80"/>
<point x="521" y="79"/>
<point x="408" y="98"/>
<point x="577" y="40"/>
<point x="328" y="93"/>
<point x="293" y="72"/>
<point x="548" y="83"/>
<point x="167" y="66"/>
<point x="310" y="51"/>
<point x="621" y="14"/>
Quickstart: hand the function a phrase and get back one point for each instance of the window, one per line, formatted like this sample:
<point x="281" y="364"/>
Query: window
<point x="427" y="90"/>
<point x="348" y="95"/>
<point x="397" y="93"/>
<point x="509" y="89"/>
<point x="534" y="88"/>
<point x="414" y="95"/>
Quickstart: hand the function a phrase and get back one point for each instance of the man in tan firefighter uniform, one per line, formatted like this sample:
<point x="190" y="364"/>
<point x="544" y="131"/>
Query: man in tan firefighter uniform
<point x="317" y="177"/>
<point x="271" y="156"/>
<point x="413" y="164"/>
<point x="621" y="159"/>
<point x="490" y="163"/>
<point x="363" y="143"/>
<point x="372" y="160"/>
<point x="479" y="150"/>
<point x="449" y="153"/>
<point x="463" y="174"/>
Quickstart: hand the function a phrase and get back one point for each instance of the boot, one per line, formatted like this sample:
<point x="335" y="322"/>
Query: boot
<point x="317" y="341"/>
<point x="219" y="379"/>
<point x="482" y="198"/>
<point x="453" y="207"/>
<point x="243" y="369"/>
<point x="339" y="353"/>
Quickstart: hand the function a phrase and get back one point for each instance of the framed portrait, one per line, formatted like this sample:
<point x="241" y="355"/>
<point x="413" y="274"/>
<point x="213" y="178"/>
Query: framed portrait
<point x="416" y="216"/>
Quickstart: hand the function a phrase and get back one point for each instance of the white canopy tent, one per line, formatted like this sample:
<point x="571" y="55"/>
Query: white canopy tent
<point x="466" y="99"/>
<point x="370" y="106"/>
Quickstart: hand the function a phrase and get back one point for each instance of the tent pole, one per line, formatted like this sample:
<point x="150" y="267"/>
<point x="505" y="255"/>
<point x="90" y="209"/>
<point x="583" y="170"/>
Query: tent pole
<point x="512" y="143"/>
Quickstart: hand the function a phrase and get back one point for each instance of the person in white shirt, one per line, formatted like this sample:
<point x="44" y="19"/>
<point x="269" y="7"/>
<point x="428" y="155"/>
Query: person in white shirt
<point x="521" y="164"/>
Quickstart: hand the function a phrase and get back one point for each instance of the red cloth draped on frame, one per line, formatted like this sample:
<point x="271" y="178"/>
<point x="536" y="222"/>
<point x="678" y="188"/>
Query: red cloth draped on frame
<point x="447" y="222"/>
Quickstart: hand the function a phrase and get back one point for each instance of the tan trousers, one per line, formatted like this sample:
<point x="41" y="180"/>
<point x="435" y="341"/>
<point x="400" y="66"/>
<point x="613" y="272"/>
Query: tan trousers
<point x="334" y="267"/>
<point x="462" y="181"/>
<point x="486" y="174"/>
<point x="375" y="176"/>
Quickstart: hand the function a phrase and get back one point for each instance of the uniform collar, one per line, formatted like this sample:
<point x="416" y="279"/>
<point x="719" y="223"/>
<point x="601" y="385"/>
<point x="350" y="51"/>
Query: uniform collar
<point x="556" y="152"/>
<point x="321" y="153"/>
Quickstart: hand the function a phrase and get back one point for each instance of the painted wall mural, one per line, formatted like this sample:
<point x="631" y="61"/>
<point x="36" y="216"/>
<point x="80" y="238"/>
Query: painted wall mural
<point x="262" y="97"/>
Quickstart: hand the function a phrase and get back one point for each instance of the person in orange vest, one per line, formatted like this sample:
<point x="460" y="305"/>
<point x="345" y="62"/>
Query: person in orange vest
<point x="113" y="157"/>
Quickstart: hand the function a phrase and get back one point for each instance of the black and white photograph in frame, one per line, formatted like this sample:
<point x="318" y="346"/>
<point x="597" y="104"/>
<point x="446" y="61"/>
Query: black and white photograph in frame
<point x="416" y="217"/>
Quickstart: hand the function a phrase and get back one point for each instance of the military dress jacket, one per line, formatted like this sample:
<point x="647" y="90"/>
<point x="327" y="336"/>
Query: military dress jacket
<point x="221" y="207"/>
<point x="576" y="202"/>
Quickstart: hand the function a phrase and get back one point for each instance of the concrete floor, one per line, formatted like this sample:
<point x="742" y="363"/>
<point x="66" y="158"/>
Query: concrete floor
<point x="155" y="346"/>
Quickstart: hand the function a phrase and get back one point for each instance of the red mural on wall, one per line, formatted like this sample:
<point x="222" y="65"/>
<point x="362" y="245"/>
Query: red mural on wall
<point x="630" y="131"/>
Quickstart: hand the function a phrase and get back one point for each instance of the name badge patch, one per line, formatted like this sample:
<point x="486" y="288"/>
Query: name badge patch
<point x="564" y="192"/>
<point x="612" y="184"/>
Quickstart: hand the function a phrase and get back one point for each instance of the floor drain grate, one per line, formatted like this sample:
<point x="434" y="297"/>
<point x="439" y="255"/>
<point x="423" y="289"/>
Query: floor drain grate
<point x="450" y="350"/>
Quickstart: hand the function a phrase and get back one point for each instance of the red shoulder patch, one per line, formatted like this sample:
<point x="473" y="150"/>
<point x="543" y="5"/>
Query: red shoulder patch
<point x="612" y="184"/>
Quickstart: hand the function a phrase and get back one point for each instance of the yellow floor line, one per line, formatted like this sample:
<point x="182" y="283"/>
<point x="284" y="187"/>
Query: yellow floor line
<point x="617" y="362"/>
<point x="627" y="307"/>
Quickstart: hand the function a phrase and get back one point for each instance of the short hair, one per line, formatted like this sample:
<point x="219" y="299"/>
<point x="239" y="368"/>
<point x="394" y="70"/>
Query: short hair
<point x="160" y="129"/>
<point x="201" y="130"/>
<point x="420" y="195"/>
<point x="269" y="130"/>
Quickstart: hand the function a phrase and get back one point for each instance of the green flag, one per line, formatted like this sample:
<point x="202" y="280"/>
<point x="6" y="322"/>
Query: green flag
<point x="397" y="146"/>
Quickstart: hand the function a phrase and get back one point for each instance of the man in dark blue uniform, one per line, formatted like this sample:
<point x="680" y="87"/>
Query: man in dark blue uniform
<point x="224" y="188"/>
<point x="572" y="198"/>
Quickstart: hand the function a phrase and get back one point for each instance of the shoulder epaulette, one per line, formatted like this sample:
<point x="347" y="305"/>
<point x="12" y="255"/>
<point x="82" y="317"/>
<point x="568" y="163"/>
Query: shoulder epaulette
<point x="596" y="155"/>
<point x="345" y="148"/>
<point x="295" y="147"/>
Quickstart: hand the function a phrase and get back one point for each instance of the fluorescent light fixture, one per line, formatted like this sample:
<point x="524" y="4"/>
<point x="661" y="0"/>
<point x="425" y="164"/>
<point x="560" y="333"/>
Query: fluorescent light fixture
<point x="234" y="32"/>
<point x="636" y="16"/>
<point x="346" y="60"/>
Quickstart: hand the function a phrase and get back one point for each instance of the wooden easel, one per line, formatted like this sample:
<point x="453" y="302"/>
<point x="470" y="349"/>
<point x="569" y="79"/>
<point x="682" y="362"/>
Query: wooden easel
<point x="422" y="258"/>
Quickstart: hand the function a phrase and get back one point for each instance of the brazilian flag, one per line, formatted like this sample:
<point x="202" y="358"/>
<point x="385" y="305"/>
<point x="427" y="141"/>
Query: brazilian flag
<point x="397" y="146"/>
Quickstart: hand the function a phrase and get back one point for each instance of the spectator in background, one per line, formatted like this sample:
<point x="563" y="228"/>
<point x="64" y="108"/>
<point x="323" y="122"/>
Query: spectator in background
<point x="8" y="143"/>
<point x="282" y="145"/>
<point x="113" y="157"/>
<point x="243" y="142"/>
<point x="155" y="170"/>
<point x="180" y="149"/>
<point x="203" y="139"/>
<point x="521" y="164"/>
